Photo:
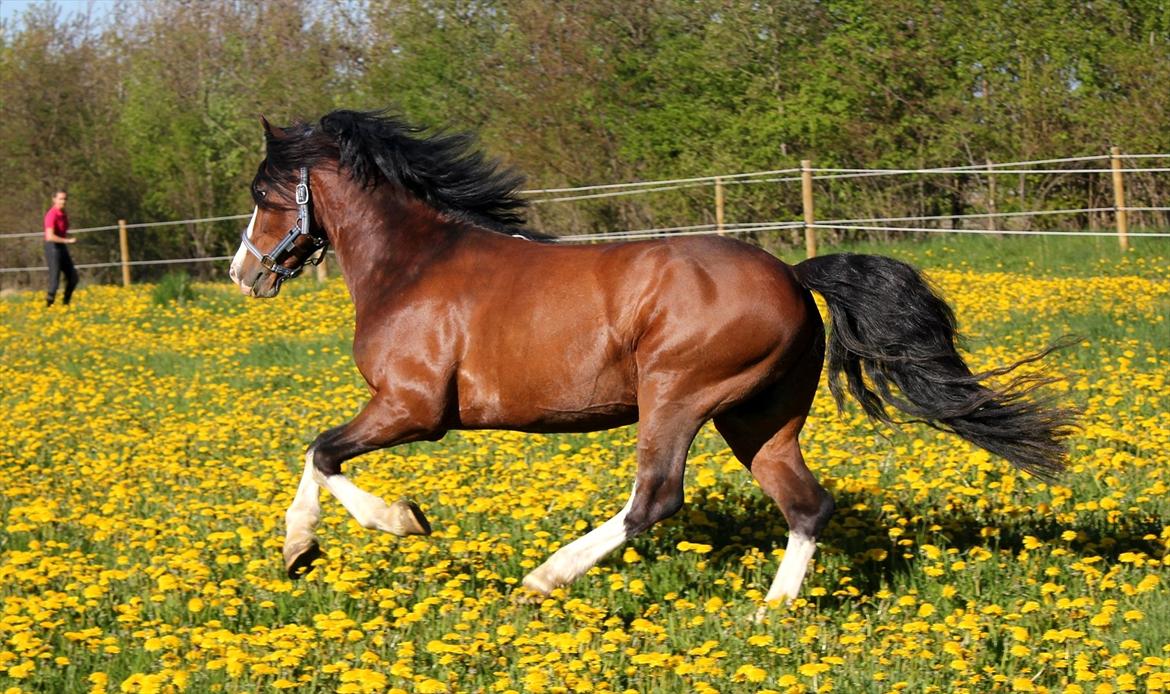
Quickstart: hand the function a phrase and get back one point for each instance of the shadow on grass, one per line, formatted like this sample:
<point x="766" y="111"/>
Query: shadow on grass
<point x="858" y="534"/>
<point x="735" y="519"/>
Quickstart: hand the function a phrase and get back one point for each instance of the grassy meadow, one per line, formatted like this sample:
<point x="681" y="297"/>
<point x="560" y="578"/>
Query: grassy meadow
<point x="150" y="448"/>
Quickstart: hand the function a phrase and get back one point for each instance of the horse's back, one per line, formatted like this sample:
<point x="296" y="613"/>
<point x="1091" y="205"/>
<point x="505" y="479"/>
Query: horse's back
<point x="584" y="333"/>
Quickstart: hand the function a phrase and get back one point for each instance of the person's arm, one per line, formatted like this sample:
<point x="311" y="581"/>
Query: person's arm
<point x="51" y="235"/>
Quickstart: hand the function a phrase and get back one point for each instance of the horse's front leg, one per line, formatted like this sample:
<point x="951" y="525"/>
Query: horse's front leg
<point x="301" y="518"/>
<point x="381" y="423"/>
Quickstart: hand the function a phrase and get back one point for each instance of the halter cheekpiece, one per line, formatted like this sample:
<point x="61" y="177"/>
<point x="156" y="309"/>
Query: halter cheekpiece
<point x="271" y="260"/>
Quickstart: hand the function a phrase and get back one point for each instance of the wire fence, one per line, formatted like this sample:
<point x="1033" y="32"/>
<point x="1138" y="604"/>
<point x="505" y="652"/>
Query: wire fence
<point x="805" y="175"/>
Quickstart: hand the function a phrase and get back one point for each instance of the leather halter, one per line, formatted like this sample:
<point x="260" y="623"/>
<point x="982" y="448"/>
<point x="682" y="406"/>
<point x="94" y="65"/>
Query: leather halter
<point x="271" y="260"/>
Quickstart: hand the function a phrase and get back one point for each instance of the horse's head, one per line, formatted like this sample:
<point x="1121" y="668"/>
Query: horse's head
<point x="371" y="150"/>
<point x="281" y="236"/>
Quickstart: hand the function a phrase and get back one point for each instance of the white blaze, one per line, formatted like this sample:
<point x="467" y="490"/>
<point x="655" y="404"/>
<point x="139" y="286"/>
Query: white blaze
<point x="242" y="253"/>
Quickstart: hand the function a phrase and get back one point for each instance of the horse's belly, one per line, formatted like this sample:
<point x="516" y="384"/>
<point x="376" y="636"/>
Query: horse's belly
<point x="593" y="419"/>
<point x="547" y="400"/>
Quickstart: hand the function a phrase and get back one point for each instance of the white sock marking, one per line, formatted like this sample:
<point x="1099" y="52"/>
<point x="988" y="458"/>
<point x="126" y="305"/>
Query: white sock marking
<point x="368" y="510"/>
<point x="305" y="509"/>
<point x="574" y="559"/>
<point x="303" y="513"/>
<point x="796" y="560"/>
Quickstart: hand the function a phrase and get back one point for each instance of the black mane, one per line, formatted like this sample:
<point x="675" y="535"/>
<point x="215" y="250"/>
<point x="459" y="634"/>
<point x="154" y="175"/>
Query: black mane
<point x="444" y="169"/>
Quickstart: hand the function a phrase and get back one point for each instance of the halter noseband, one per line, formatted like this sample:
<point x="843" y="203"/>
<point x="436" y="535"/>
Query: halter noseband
<point x="271" y="260"/>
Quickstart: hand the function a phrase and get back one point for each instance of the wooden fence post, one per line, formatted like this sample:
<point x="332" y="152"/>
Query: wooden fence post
<point x="1119" y="200"/>
<point x="124" y="242"/>
<point x="322" y="271"/>
<point x="992" y="221"/>
<point x="719" y="205"/>
<point x="806" y="197"/>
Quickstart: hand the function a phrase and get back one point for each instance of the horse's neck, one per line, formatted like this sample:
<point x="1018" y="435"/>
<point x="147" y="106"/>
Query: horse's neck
<point x="390" y="240"/>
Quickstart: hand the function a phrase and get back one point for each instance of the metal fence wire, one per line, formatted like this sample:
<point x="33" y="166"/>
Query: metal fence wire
<point x="806" y="174"/>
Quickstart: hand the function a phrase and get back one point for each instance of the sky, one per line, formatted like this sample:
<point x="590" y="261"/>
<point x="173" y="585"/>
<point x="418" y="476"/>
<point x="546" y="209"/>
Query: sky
<point x="10" y="9"/>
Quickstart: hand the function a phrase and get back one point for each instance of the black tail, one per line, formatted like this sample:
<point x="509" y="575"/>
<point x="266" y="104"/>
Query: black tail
<point x="890" y="329"/>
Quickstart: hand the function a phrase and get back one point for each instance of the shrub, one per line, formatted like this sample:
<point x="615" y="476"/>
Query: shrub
<point x="174" y="287"/>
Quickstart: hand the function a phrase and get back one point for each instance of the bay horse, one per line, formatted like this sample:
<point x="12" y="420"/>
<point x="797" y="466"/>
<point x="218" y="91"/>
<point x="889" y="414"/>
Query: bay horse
<point x="465" y="320"/>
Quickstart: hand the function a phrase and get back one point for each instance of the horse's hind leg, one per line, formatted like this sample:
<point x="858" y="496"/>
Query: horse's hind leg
<point x="763" y="435"/>
<point x="780" y="469"/>
<point x="663" y="442"/>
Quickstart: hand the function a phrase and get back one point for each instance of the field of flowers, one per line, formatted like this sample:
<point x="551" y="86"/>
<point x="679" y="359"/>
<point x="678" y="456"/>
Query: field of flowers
<point x="149" y="452"/>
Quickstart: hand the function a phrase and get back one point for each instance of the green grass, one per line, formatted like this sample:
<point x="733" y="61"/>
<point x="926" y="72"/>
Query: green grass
<point x="1046" y="256"/>
<point x="199" y="414"/>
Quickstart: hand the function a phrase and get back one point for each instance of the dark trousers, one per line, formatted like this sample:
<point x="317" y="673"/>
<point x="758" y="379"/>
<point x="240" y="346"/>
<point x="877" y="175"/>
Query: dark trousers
<point x="57" y="257"/>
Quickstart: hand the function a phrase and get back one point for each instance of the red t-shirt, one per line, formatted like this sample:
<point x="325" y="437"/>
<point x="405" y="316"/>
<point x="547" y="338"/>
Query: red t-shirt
<point x="58" y="221"/>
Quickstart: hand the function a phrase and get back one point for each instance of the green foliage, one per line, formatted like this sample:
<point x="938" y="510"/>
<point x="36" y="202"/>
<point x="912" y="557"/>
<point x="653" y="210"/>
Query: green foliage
<point x="174" y="288"/>
<point x="152" y="112"/>
<point x="143" y="521"/>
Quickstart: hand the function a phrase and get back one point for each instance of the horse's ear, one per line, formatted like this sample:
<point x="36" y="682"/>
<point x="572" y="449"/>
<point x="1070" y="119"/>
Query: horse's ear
<point x="271" y="131"/>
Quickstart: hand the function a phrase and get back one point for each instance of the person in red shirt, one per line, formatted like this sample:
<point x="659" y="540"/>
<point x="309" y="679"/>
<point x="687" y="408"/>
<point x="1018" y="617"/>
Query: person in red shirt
<point x="56" y="253"/>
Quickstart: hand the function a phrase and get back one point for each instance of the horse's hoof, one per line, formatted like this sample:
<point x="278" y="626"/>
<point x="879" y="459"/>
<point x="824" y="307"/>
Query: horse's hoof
<point x="408" y="519"/>
<point x="298" y="559"/>
<point x="530" y="592"/>
<point x="534" y="588"/>
<point x="781" y="603"/>
<point x="525" y="596"/>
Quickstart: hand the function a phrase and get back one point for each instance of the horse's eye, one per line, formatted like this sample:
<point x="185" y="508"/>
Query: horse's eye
<point x="262" y="193"/>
